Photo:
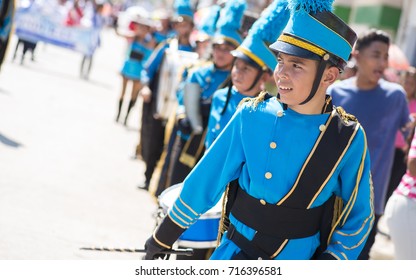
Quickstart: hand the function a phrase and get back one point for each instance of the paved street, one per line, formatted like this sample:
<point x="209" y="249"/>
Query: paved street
<point x="67" y="179"/>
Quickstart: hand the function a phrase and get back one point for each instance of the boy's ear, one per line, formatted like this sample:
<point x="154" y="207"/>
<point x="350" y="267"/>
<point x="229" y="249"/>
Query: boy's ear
<point x="331" y="75"/>
<point x="355" y="53"/>
<point x="266" y="76"/>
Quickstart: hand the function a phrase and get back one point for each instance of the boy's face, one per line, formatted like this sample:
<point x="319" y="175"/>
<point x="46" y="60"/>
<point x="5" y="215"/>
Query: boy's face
<point x="183" y="28"/>
<point x="141" y="29"/>
<point x="409" y="85"/>
<point x="222" y="55"/>
<point x="294" y="77"/>
<point x="372" y="61"/>
<point x="243" y="75"/>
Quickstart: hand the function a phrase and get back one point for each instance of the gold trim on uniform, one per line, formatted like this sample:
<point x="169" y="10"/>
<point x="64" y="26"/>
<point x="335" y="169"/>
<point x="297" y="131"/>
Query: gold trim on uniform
<point x="333" y="254"/>
<point x="189" y="207"/>
<point x="179" y="218"/>
<point x="280" y="249"/>
<point x="160" y="242"/>
<point x="305" y="164"/>
<point x="345" y="116"/>
<point x="336" y="164"/>
<point x="350" y="204"/>
<point x="191" y="160"/>
<point x="176" y="209"/>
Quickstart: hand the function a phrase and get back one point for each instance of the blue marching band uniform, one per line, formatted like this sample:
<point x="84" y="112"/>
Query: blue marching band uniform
<point x="209" y="79"/>
<point x="200" y="80"/>
<point x="205" y="79"/>
<point x="304" y="188"/>
<point x="253" y="50"/>
<point x="137" y="55"/>
<point x="153" y="128"/>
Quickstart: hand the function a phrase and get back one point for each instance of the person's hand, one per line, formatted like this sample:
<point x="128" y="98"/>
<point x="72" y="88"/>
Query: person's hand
<point x="153" y="250"/>
<point x="146" y="94"/>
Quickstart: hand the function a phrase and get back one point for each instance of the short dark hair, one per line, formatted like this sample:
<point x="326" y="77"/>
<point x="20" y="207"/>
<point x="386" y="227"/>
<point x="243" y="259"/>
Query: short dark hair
<point x="370" y="36"/>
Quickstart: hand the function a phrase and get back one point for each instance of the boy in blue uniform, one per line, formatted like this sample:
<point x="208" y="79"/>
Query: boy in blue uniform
<point x="254" y="62"/>
<point x="295" y="159"/>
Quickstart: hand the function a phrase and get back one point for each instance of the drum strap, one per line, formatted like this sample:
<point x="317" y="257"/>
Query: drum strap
<point x="317" y="169"/>
<point x="245" y="244"/>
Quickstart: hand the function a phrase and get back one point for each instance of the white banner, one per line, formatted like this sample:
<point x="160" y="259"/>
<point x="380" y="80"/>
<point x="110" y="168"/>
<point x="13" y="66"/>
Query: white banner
<point x="42" y="21"/>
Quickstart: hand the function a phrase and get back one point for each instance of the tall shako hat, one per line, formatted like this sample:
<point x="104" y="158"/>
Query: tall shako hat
<point x="183" y="11"/>
<point x="229" y="23"/>
<point x="314" y="32"/>
<point x="209" y="21"/>
<point x="266" y="29"/>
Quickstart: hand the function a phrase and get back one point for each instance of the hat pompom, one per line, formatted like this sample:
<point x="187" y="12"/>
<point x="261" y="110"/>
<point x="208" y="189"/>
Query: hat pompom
<point x="232" y="14"/>
<point x="183" y="8"/>
<point x="309" y="6"/>
<point x="271" y="22"/>
<point x="209" y="21"/>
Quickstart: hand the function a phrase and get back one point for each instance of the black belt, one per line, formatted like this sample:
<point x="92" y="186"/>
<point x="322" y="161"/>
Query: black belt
<point x="136" y="55"/>
<point x="250" y="249"/>
<point x="276" y="220"/>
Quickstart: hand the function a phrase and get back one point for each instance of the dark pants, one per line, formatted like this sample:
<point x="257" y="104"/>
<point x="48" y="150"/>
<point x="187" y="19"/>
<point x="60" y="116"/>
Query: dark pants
<point x="27" y="46"/>
<point x="151" y="136"/>
<point x="365" y="253"/>
<point x="397" y="171"/>
<point x="164" y="181"/>
<point x="178" y="171"/>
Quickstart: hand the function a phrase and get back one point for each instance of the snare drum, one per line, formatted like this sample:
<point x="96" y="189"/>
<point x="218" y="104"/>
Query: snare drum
<point x="204" y="232"/>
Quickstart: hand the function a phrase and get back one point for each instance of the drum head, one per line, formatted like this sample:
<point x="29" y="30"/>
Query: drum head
<point x="168" y="197"/>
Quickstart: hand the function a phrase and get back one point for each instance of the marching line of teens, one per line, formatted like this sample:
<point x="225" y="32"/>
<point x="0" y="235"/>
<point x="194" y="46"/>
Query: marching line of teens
<point x="168" y="146"/>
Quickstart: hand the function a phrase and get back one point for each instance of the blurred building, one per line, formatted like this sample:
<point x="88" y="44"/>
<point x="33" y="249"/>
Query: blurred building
<point x="396" y="17"/>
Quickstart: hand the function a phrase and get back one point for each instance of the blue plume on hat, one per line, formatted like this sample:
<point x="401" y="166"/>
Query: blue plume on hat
<point x="208" y="23"/>
<point x="263" y="32"/>
<point x="229" y="22"/>
<point x="309" y="6"/>
<point x="183" y="9"/>
<point x="271" y="22"/>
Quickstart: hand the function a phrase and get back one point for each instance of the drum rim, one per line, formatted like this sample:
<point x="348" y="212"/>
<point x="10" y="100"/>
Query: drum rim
<point x="197" y="244"/>
<point x="206" y="215"/>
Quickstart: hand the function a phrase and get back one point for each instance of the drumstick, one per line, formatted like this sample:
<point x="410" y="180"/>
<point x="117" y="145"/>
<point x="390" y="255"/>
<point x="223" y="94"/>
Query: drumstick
<point x="181" y="252"/>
